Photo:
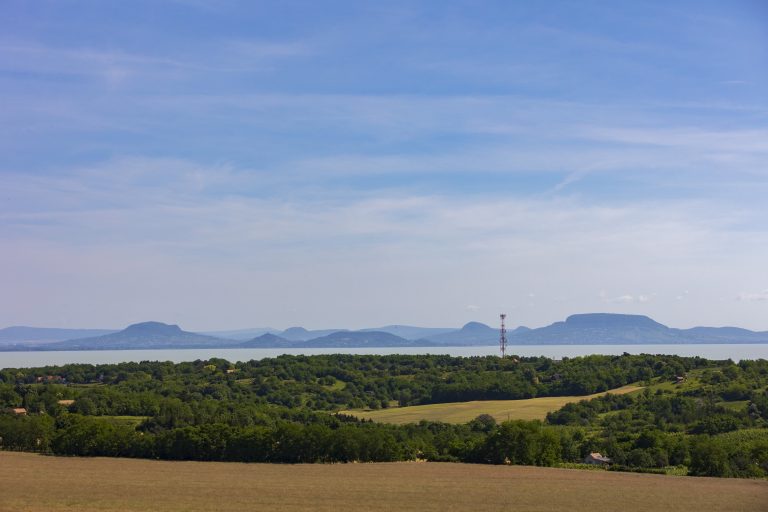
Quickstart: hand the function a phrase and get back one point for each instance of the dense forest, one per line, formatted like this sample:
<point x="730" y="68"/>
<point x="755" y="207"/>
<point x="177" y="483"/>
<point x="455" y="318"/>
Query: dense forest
<point x="694" y="416"/>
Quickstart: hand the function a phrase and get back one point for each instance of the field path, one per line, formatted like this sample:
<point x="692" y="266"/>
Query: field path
<point x="35" y="483"/>
<point x="462" y="412"/>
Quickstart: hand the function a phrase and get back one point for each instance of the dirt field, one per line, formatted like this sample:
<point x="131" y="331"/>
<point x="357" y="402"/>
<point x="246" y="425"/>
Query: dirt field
<point x="462" y="412"/>
<point x="35" y="483"/>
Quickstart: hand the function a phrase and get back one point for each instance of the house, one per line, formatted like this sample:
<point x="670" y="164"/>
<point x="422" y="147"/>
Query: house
<point x="679" y="379"/>
<point x="19" y="411"/>
<point x="65" y="403"/>
<point x="50" y="378"/>
<point x="597" y="459"/>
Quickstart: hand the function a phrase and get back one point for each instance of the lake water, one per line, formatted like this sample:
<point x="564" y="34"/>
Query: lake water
<point x="709" y="351"/>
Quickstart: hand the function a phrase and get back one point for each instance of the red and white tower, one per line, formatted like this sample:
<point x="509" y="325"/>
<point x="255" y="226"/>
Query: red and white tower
<point x="503" y="336"/>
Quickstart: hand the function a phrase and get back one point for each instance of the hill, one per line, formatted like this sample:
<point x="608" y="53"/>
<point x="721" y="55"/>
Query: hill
<point x="341" y="339"/>
<point x="267" y="340"/>
<point x="241" y="334"/>
<point x="302" y="334"/>
<point x="580" y="329"/>
<point x="607" y="328"/>
<point x="721" y="335"/>
<point x="23" y="334"/>
<point x="473" y="333"/>
<point x="142" y="335"/>
<point x="410" y="332"/>
<point x="596" y="329"/>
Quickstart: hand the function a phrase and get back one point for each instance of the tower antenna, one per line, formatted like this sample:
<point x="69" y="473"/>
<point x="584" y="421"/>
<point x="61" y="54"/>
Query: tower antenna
<point x="503" y="336"/>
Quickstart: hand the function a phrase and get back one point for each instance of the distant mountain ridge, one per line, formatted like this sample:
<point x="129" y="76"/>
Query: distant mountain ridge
<point x="240" y="334"/>
<point x="301" y="334"/>
<point x="472" y="333"/>
<point x="21" y="334"/>
<point x="410" y="332"/>
<point x="358" y="339"/>
<point x="606" y="328"/>
<point x="580" y="329"/>
<point x="141" y="335"/>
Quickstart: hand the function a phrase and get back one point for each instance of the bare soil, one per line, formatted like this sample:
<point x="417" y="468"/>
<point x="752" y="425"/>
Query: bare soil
<point x="35" y="483"/>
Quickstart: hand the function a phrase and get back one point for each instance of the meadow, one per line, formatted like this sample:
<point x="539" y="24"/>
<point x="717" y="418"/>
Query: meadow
<point x="462" y="412"/>
<point x="36" y="483"/>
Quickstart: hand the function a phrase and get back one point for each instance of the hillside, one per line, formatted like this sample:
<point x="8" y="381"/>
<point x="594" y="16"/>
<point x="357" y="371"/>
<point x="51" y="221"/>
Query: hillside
<point x="463" y="412"/>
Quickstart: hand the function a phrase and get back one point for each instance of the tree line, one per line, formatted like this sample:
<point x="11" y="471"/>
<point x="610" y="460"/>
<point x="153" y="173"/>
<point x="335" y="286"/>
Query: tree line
<point x="283" y="410"/>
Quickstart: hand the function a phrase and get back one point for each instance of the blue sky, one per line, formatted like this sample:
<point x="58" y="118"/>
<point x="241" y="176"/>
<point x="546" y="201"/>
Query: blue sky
<point x="223" y="164"/>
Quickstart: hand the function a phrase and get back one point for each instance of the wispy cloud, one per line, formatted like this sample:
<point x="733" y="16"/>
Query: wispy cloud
<point x="753" y="296"/>
<point x="186" y="221"/>
<point x="117" y="65"/>
<point x="641" y="298"/>
<point x="328" y="159"/>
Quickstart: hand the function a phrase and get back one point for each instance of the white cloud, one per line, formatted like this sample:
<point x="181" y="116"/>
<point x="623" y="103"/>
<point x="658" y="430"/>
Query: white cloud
<point x="622" y="299"/>
<point x="629" y="299"/>
<point x="211" y="253"/>
<point x="753" y="296"/>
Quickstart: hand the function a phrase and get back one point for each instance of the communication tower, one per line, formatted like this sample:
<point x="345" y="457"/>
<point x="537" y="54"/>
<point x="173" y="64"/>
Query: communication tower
<point x="503" y="336"/>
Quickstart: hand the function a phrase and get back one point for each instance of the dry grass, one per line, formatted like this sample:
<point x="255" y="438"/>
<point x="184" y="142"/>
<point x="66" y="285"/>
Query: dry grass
<point x="35" y="483"/>
<point x="462" y="412"/>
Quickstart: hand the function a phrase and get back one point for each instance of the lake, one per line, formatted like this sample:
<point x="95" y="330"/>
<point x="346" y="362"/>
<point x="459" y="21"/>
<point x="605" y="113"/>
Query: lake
<point x="709" y="351"/>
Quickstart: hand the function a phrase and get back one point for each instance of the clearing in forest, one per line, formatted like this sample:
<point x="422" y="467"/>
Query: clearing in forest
<point x="462" y="412"/>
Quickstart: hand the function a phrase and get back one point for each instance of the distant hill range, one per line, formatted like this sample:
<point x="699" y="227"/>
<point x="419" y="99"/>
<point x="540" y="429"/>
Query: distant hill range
<point x="144" y="335"/>
<point x="472" y="334"/>
<point x="338" y="339"/>
<point x="583" y="329"/>
<point x="611" y="329"/>
<point x="20" y="334"/>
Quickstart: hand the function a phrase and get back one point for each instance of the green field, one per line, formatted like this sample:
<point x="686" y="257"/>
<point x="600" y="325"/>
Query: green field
<point x="132" y="421"/>
<point x="462" y="412"/>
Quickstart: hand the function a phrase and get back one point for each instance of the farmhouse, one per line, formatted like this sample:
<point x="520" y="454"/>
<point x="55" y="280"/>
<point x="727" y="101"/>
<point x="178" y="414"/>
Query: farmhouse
<point x="18" y="411"/>
<point x="50" y="378"/>
<point x="597" y="459"/>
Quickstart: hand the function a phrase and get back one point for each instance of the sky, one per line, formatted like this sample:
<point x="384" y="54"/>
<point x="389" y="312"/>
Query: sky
<point x="224" y="164"/>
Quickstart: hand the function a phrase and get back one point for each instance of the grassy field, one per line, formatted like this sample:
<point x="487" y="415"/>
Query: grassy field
<point x="462" y="412"/>
<point x="35" y="483"/>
